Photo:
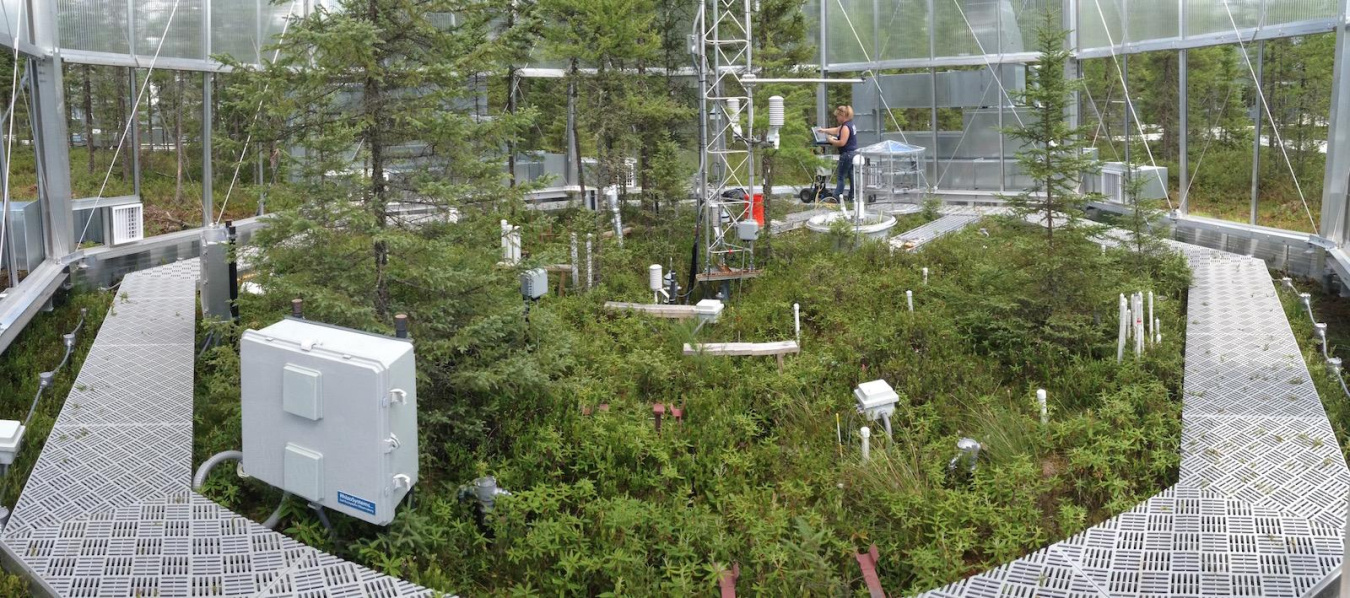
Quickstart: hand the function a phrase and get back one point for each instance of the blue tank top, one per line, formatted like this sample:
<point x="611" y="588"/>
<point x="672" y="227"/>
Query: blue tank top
<point x="852" y="144"/>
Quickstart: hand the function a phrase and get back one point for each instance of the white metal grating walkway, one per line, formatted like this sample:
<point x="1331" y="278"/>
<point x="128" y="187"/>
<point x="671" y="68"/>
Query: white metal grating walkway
<point x="108" y="509"/>
<point x="1259" y="509"/>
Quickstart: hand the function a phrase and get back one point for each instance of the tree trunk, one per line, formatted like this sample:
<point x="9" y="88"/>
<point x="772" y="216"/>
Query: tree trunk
<point x="87" y="98"/>
<point x="178" y="136"/>
<point x="375" y="141"/>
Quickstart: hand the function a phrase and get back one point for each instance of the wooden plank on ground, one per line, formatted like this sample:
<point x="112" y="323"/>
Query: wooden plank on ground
<point x="675" y="312"/>
<point x="738" y="349"/>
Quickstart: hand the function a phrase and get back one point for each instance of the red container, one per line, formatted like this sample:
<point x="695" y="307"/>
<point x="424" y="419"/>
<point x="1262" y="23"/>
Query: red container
<point x="757" y="209"/>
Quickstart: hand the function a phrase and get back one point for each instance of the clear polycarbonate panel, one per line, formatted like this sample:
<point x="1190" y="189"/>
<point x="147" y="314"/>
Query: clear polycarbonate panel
<point x="1211" y="16"/>
<point x="275" y="17"/>
<point x="93" y="25"/>
<point x="1294" y="11"/>
<point x="1021" y="19"/>
<point x="849" y="29"/>
<point x="170" y="28"/>
<point x="904" y="28"/>
<point x="963" y="27"/>
<point x="9" y="17"/>
<point x="236" y="28"/>
<point x="1100" y="23"/>
<point x="1152" y="20"/>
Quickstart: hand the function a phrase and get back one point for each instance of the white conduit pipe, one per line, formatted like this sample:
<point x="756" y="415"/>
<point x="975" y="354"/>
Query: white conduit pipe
<point x="925" y="277"/>
<point x="1045" y="413"/>
<point x="576" y="266"/>
<point x="909" y="298"/>
<point x="1333" y="363"/>
<point x="590" y="261"/>
<point x="1151" y="329"/>
<point x="797" y="321"/>
<point x="1124" y="315"/>
<point x="866" y="443"/>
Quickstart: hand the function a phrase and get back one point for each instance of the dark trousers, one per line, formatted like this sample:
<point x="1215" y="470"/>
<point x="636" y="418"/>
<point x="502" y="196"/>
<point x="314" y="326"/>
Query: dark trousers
<point x="845" y="170"/>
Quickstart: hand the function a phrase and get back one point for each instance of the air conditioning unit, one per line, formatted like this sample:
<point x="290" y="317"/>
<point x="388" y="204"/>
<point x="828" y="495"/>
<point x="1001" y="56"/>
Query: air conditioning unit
<point x="1111" y="183"/>
<point x="128" y="223"/>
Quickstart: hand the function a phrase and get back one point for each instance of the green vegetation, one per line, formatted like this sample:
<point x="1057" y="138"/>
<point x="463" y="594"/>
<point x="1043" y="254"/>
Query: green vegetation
<point x="605" y="503"/>
<point x="39" y="349"/>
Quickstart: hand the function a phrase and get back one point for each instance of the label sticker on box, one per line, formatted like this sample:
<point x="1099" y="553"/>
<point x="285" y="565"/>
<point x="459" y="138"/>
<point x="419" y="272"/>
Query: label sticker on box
<point x="355" y="502"/>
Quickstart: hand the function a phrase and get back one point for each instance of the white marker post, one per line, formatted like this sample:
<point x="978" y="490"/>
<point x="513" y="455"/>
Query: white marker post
<point x="1045" y="413"/>
<point x="866" y="443"/>
<point x="797" y="321"/>
<point x="576" y="266"/>
<point x="1151" y="329"/>
<point x="909" y="298"/>
<point x="925" y="277"/>
<point x="1124" y="316"/>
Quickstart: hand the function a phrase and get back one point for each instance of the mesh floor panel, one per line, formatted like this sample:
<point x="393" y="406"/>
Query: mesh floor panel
<point x="108" y="509"/>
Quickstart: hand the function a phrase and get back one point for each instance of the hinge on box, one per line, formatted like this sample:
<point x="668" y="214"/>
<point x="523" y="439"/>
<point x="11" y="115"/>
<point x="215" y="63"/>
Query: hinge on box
<point x="391" y="443"/>
<point x="396" y="395"/>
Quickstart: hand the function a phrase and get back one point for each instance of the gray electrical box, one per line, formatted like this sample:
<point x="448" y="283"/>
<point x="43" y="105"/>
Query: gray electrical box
<point x="330" y="415"/>
<point x="534" y="283"/>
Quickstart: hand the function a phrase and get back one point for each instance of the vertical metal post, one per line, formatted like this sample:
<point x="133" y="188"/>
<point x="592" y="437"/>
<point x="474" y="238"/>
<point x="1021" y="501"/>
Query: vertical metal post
<point x="1183" y="106"/>
<point x="51" y="131"/>
<point x="822" y="96"/>
<point x="208" y="121"/>
<point x="135" y="125"/>
<point x="1256" y="138"/>
<point x="1335" y="181"/>
<point x="877" y="117"/>
<point x="932" y="94"/>
<point x="1125" y="84"/>
<point x="208" y="201"/>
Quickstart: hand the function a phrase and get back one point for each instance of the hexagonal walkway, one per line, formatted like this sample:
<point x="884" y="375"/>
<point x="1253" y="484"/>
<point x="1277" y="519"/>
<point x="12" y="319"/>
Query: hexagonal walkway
<point x="108" y="509"/>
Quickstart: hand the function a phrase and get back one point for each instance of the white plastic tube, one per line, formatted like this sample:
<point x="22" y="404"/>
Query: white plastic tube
<point x="1124" y="317"/>
<point x="866" y="443"/>
<point x="590" y="261"/>
<point x="797" y="321"/>
<point x="1045" y="413"/>
<point x="1151" y="329"/>
<point x="925" y="277"/>
<point x="576" y="266"/>
<point x="909" y="298"/>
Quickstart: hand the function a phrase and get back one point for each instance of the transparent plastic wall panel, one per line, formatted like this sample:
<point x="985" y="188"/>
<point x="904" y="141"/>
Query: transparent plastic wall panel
<point x="1209" y="16"/>
<point x="236" y="28"/>
<point x="94" y="25"/>
<point x="958" y="22"/>
<point x="180" y="28"/>
<point x="9" y="17"/>
<point x="904" y="28"/>
<point x="1294" y="11"/>
<point x="1100" y="23"/>
<point x="1153" y="19"/>
<point x="850" y="44"/>
<point x="1019" y="34"/>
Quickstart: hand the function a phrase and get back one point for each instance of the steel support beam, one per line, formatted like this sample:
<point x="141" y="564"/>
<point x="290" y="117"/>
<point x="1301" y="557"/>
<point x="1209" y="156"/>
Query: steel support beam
<point x="1336" y="179"/>
<point x="51" y="132"/>
<point x="1256" y="138"/>
<point x="1183" y="105"/>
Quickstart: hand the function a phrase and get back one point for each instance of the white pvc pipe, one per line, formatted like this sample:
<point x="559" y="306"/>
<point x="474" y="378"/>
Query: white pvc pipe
<point x="866" y="443"/>
<point x="797" y="321"/>
<point x="909" y="298"/>
<point x="1045" y="413"/>
<point x="576" y="266"/>
<point x="925" y="277"/>
<point x="1157" y="330"/>
<point x="590" y="261"/>
<point x="612" y="193"/>
<point x="1151" y="329"/>
<point x="1120" y="345"/>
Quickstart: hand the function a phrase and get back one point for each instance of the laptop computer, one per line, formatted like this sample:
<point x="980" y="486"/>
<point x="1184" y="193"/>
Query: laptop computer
<point x="821" y="138"/>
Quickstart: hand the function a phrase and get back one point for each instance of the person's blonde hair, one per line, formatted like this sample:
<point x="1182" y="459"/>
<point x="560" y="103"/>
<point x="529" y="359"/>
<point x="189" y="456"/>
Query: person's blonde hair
<point x="844" y="113"/>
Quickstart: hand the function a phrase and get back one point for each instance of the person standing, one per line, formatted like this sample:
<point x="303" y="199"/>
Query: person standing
<point x="845" y="137"/>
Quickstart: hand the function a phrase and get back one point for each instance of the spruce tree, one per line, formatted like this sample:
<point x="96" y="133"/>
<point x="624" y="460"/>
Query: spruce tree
<point x="1053" y="152"/>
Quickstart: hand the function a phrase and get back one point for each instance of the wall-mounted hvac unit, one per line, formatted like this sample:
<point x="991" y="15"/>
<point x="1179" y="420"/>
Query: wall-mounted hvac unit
<point x="128" y="223"/>
<point x="1111" y="182"/>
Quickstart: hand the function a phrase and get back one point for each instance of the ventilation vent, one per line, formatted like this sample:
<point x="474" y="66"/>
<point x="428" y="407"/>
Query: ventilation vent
<point x="127" y="223"/>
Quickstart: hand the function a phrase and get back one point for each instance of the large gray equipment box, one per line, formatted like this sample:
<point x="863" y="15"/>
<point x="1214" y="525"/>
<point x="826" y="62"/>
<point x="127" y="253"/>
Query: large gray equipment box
<point x="330" y="414"/>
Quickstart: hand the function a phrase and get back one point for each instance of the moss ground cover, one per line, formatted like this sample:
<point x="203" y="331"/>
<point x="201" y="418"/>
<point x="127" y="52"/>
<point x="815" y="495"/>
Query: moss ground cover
<point x="755" y="474"/>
